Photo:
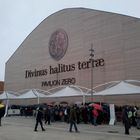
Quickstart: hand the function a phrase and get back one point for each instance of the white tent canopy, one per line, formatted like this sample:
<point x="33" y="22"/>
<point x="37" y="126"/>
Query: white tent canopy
<point x="27" y="95"/>
<point x="6" y="95"/>
<point x="120" y="89"/>
<point x="32" y="94"/>
<point x="68" y="92"/>
<point x="122" y="93"/>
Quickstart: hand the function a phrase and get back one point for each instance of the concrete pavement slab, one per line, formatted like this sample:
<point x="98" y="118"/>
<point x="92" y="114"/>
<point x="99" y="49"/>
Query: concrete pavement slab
<point x="21" y="128"/>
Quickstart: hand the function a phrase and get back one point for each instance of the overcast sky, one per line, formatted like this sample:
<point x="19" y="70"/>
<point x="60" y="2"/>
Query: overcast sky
<point x="19" y="17"/>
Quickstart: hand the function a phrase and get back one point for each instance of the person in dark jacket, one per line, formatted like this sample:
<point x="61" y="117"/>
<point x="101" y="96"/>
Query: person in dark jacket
<point x="2" y="111"/>
<point x="72" y="119"/>
<point x="138" y="119"/>
<point x="48" y="115"/>
<point x="39" y="118"/>
<point x="126" y="120"/>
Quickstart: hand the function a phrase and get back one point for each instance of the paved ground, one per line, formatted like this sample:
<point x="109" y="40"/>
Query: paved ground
<point x="21" y="128"/>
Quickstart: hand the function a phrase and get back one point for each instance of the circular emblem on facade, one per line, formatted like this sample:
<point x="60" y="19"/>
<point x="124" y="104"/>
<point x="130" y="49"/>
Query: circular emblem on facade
<point x="58" y="44"/>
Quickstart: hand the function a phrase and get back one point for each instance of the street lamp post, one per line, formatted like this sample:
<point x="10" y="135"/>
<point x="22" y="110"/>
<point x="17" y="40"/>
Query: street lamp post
<point x="91" y="61"/>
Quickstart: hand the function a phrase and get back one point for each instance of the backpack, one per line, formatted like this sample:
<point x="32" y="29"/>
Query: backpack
<point x="130" y="114"/>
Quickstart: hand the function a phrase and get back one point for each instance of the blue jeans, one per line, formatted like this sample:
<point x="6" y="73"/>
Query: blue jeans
<point x="138" y="122"/>
<point x="94" y="119"/>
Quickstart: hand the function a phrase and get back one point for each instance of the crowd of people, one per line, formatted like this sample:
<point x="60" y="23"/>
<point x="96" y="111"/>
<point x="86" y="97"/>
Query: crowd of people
<point x="72" y="114"/>
<point x="85" y="114"/>
<point x="75" y="114"/>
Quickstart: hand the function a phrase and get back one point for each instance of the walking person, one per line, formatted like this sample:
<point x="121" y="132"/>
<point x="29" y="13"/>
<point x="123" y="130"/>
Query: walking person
<point x="73" y="119"/>
<point x="39" y="118"/>
<point x="126" y="120"/>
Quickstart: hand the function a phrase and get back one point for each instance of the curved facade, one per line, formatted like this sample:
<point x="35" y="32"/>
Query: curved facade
<point x="57" y="51"/>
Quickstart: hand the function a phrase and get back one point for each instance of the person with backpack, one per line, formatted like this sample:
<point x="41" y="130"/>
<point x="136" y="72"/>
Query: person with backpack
<point x="126" y="119"/>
